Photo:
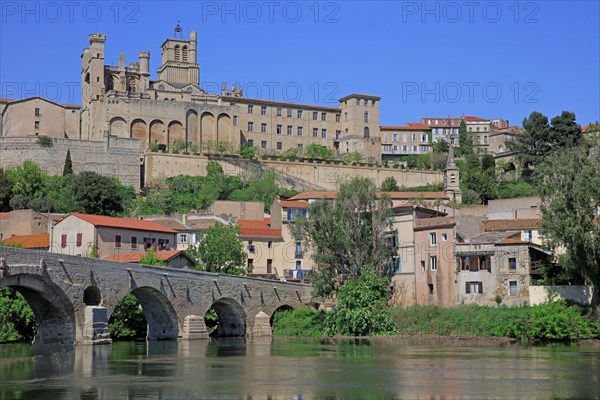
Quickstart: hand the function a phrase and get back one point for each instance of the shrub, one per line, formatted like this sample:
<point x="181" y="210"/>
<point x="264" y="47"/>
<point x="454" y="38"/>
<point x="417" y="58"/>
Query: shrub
<point x="45" y="141"/>
<point x="304" y="322"/>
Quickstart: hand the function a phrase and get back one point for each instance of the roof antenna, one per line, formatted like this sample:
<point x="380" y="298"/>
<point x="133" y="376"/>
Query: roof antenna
<point x="179" y="31"/>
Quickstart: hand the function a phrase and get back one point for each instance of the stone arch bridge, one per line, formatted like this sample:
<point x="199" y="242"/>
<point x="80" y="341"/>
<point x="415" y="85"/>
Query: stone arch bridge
<point x="73" y="297"/>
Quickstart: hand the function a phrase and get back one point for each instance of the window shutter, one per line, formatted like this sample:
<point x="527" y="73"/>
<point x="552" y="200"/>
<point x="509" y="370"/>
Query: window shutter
<point x="79" y="239"/>
<point x="467" y="288"/>
<point x="63" y="241"/>
<point x="480" y="287"/>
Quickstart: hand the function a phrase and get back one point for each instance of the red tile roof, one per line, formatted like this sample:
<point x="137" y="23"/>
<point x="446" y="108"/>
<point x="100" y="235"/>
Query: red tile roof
<point x="124" y="223"/>
<point x="294" y="204"/>
<point x="256" y="228"/>
<point x="30" y="241"/>
<point x="411" y="126"/>
<point x="472" y="118"/>
<point x="512" y="224"/>
<point x="136" y="257"/>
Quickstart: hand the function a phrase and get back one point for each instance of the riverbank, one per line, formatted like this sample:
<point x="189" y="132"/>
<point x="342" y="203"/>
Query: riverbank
<point x="549" y="322"/>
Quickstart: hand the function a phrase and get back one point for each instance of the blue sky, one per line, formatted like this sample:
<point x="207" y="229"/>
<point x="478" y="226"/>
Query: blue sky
<point x="483" y="58"/>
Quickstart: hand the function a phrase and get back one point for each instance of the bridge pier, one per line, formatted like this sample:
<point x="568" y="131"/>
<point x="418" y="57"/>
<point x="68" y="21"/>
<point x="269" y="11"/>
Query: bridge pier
<point x="261" y="327"/>
<point x="95" y="328"/>
<point x="194" y="328"/>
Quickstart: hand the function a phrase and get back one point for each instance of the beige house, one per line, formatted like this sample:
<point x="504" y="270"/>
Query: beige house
<point x="84" y="235"/>
<point x="35" y="116"/>
<point x="423" y="240"/>
<point x="26" y="222"/>
<point x="404" y="140"/>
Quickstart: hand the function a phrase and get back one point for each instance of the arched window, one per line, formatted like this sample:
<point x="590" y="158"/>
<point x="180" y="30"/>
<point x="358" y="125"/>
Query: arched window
<point x="367" y="134"/>
<point x="177" y="53"/>
<point x="185" y="54"/>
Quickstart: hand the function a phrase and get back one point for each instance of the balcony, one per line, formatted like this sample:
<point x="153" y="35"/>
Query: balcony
<point x="298" y="254"/>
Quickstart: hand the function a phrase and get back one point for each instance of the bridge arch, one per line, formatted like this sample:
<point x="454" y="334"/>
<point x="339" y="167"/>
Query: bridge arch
<point x="53" y="311"/>
<point x="232" y="317"/>
<point x="284" y="307"/>
<point x="159" y="312"/>
<point x="92" y="296"/>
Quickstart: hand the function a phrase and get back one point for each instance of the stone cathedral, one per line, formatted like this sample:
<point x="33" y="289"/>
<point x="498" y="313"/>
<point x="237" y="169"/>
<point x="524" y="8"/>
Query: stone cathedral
<point x="124" y="101"/>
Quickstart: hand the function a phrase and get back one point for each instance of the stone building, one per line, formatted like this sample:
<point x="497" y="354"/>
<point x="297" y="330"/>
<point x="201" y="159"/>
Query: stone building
<point x="35" y="116"/>
<point x="124" y="101"/>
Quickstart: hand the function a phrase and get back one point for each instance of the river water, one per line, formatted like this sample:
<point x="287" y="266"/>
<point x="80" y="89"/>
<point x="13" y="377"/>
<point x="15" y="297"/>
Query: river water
<point x="391" y="368"/>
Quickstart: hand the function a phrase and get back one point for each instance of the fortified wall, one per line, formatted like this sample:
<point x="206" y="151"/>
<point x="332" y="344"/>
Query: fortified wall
<point x="116" y="157"/>
<point x="302" y="176"/>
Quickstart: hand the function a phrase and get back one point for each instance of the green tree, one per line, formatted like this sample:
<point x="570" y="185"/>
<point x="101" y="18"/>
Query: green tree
<point x="570" y="188"/>
<point x="318" y="151"/>
<point x="389" y="184"/>
<point x="97" y="194"/>
<point x="27" y="180"/>
<point x="440" y="147"/>
<point x="465" y="140"/>
<point x="220" y="251"/>
<point x="128" y="320"/>
<point x="346" y="234"/>
<point x="541" y="139"/>
<point x="150" y="258"/>
<point x="68" y="168"/>
<point x="5" y="191"/>
<point x="17" y="322"/>
<point x="361" y="308"/>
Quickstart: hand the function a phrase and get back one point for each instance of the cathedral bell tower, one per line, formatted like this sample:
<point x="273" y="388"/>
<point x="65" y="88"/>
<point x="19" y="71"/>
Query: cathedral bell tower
<point x="179" y="65"/>
<point x="452" y="179"/>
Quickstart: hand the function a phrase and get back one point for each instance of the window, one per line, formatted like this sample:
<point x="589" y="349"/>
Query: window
<point x="37" y="112"/>
<point x="250" y="143"/>
<point x="430" y="285"/>
<point x="324" y="133"/>
<point x="289" y="130"/>
<point x="63" y="241"/>
<point x="366" y="115"/>
<point x="250" y="266"/>
<point x="404" y="149"/>
<point x="294" y="213"/>
<point x="433" y="263"/>
<point x="279" y="111"/>
<point x="117" y="240"/>
<point x="298" y="252"/>
<point x="474" y="287"/>
<point x="235" y="120"/>
<point x="263" y="110"/>
<point x="513" y="288"/>
<point x="404" y="138"/>
<point x="269" y="266"/>
<point x="338" y="134"/>
<point x="315" y="115"/>
<point x="263" y="128"/>
<point x="432" y="239"/>
<point x="527" y="236"/>
<point x="37" y="124"/>
<point x="299" y="131"/>
<point x="512" y="264"/>
<point x="279" y="128"/>
<point x="183" y="238"/>
<point x="424" y="138"/>
<point x="358" y="102"/>
<point x="414" y="137"/>
<point x="415" y="149"/>
<point x="134" y="242"/>
<point x="270" y="244"/>
<point x="250" y="108"/>
<point x="323" y="116"/>
<point x="250" y="126"/>
<point x="263" y="144"/>
<point x="393" y="266"/>
<point x="300" y="146"/>
<point x="289" y="113"/>
<point x="148" y="243"/>
<point x="279" y="146"/>
<point x="337" y="117"/>
<point x="79" y="239"/>
<point x="299" y="114"/>
<point x="366" y="133"/>
<point x="422" y="266"/>
<point x="315" y="132"/>
<point x="345" y="116"/>
<point x="444" y="236"/>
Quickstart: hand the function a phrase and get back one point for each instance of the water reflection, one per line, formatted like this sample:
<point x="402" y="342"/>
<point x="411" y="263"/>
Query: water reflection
<point x="234" y="368"/>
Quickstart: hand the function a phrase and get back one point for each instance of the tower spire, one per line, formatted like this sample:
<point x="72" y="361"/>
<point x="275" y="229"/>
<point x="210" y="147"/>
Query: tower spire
<point x="178" y="31"/>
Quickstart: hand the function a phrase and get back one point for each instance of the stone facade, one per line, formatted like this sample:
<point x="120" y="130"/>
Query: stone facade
<point x="112" y="156"/>
<point x="36" y="116"/>
<point x="60" y="288"/>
